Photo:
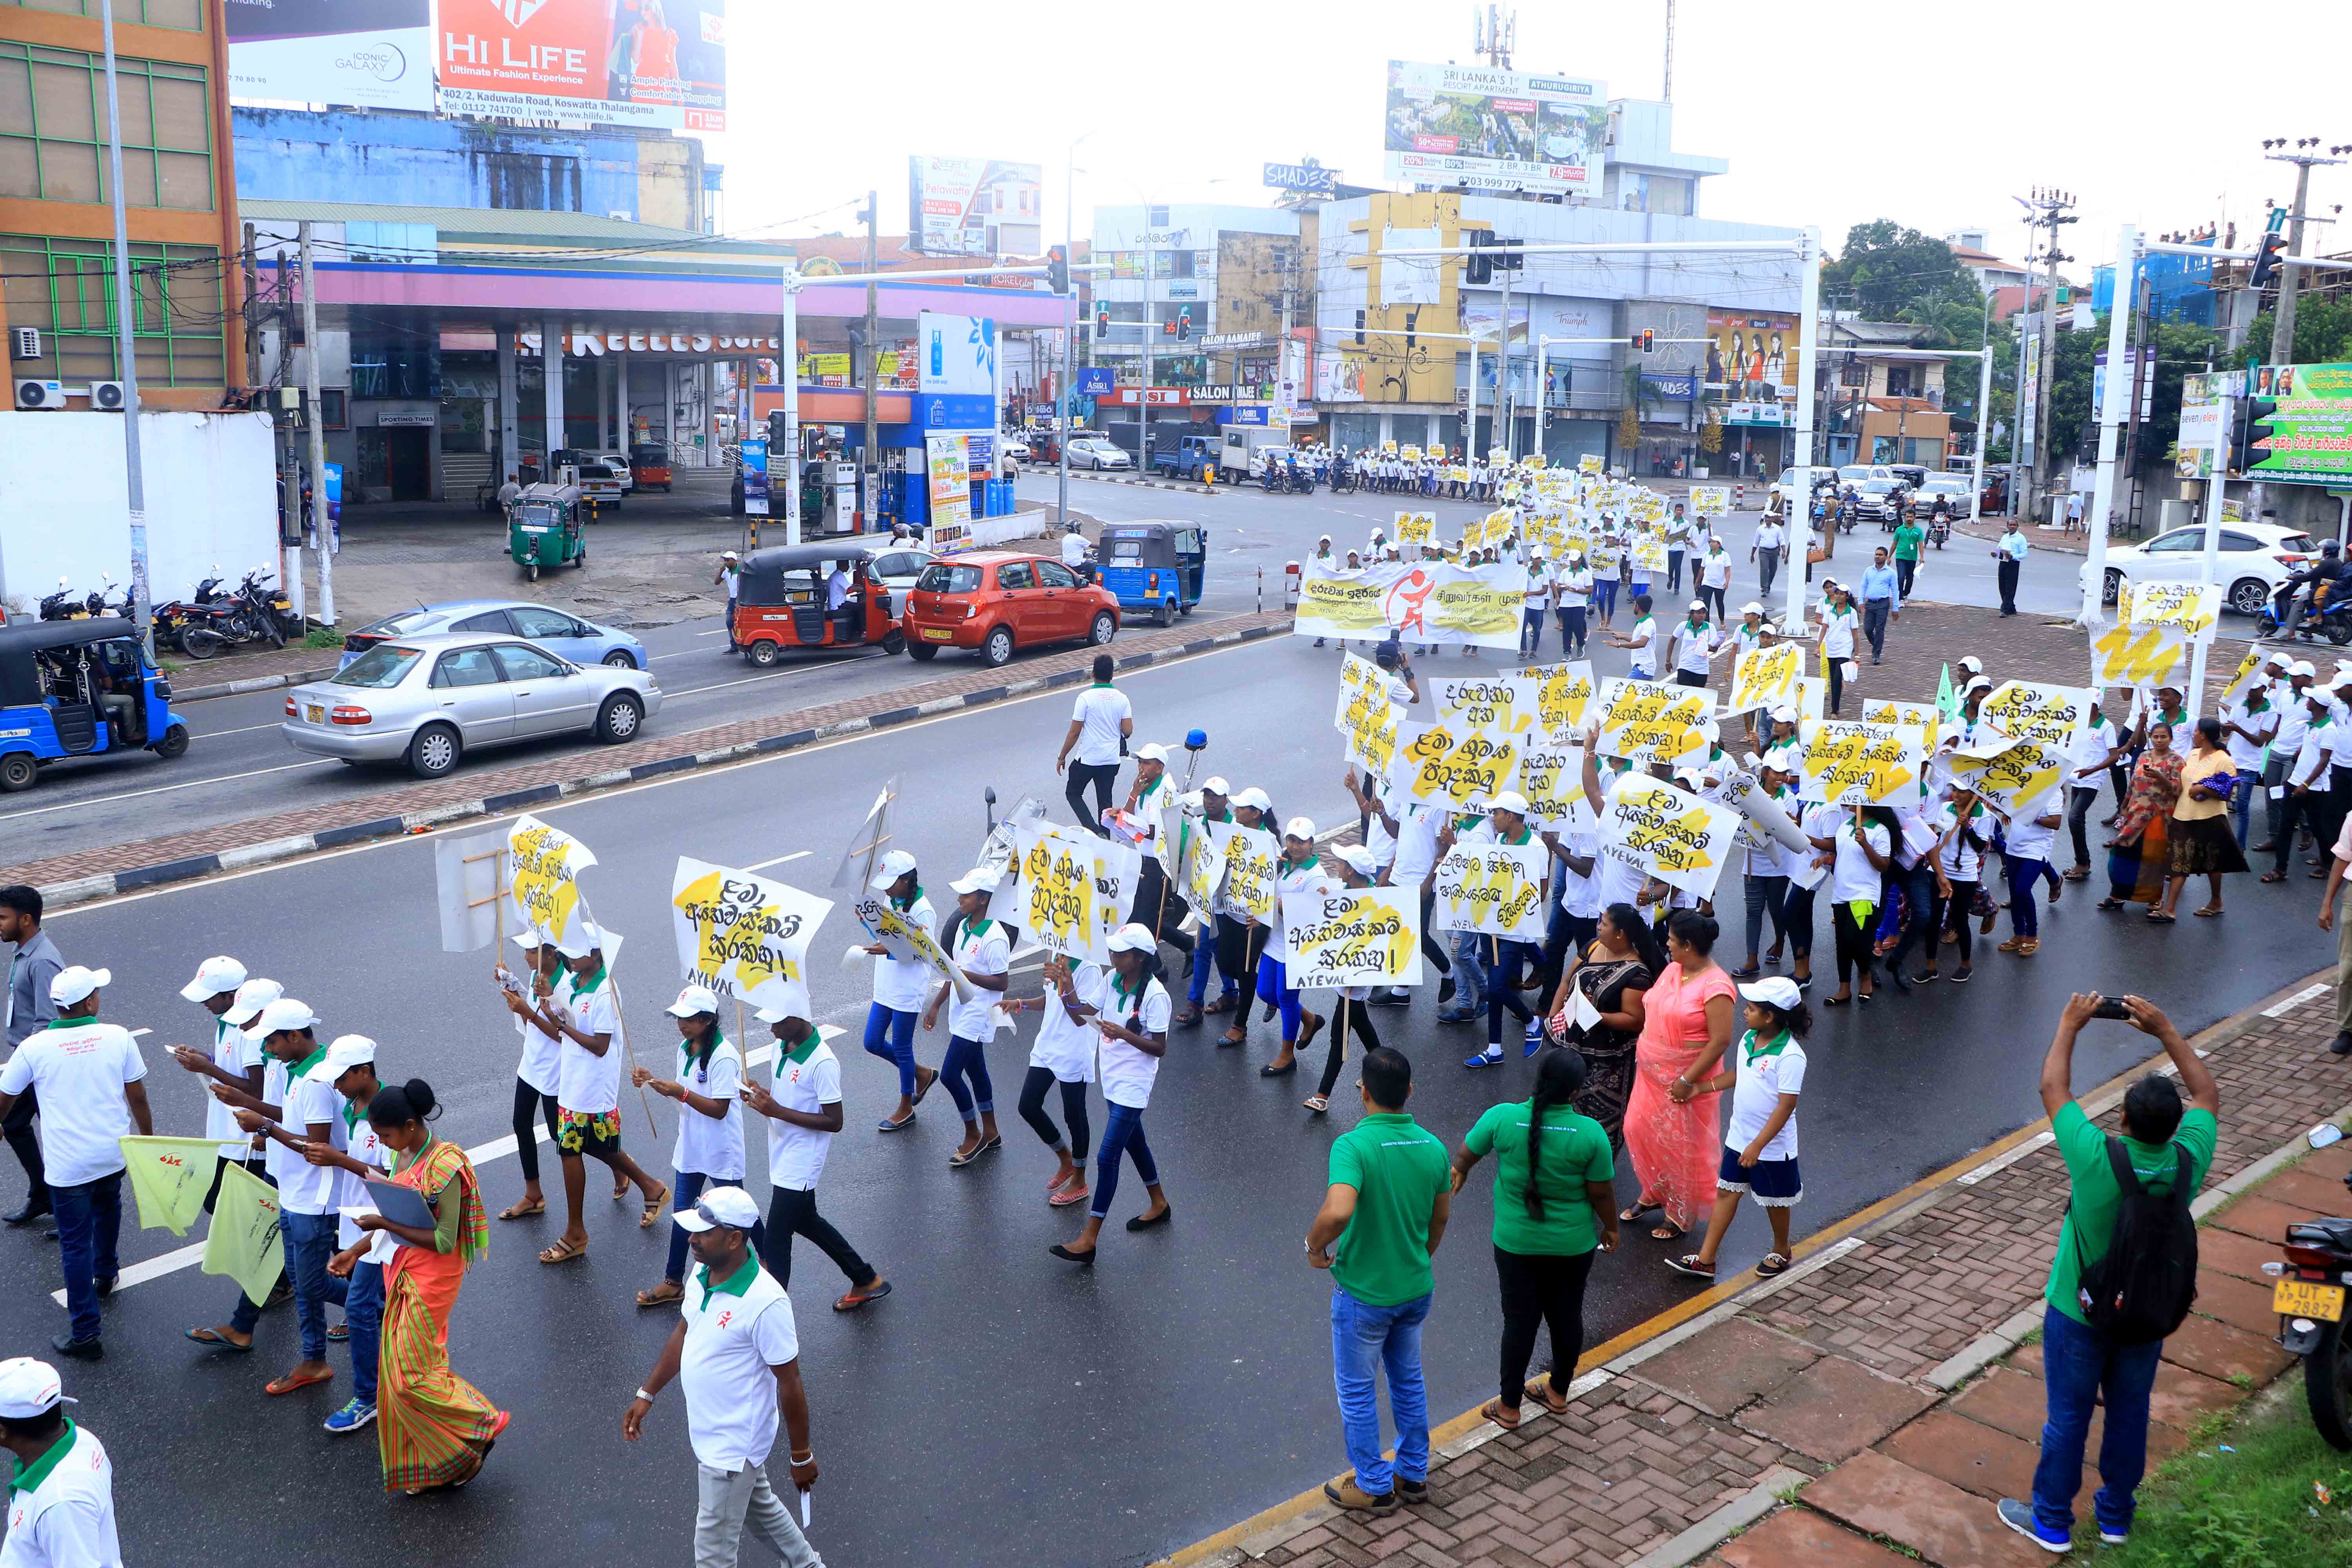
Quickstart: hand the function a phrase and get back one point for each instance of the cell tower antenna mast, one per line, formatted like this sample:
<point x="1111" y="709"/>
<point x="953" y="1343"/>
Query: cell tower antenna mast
<point x="1494" y="32"/>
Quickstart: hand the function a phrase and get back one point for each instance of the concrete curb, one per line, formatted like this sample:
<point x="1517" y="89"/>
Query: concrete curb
<point x="251" y="683"/>
<point x="1717" y="1527"/>
<point x="1138" y="480"/>
<point x="110" y="884"/>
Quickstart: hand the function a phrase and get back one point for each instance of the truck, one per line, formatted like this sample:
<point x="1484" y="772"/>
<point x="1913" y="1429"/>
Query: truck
<point x="1188" y="459"/>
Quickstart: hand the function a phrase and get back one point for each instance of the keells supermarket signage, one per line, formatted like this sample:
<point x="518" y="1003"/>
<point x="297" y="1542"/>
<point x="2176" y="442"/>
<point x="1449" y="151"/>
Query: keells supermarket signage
<point x="659" y="63"/>
<point x="2311" y="429"/>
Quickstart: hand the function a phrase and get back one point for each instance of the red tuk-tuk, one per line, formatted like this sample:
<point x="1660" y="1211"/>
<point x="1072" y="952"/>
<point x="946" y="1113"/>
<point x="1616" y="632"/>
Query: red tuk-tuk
<point x="649" y="465"/>
<point x="780" y="603"/>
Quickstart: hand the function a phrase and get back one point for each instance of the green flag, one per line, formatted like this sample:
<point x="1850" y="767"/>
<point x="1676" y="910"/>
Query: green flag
<point x="1948" y="701"/>
<point x="244" y="1243"/>
<point x="170" y="1176"/>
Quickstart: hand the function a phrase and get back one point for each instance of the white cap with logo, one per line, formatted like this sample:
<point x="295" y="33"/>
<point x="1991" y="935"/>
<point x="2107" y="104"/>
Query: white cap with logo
<point x="251" y="998"/>
<point x="345" y="1052"/>
<point x="694" y="1000"/>
<point x="730" y="1206"/>
<point x="286" y="1013"/>
<point x="74" y="984"/>
<point x="213" y="975"/>
<point x="30" y="1388"/>
<point x="895" y="865"/>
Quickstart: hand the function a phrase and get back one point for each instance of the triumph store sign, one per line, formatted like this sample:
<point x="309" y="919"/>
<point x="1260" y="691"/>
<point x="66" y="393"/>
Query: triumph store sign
<point x="578" y="344"/>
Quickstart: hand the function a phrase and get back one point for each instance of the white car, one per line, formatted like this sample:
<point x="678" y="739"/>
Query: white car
<point x="618" y="464"/>
<point x="1095" y="452"/>
<point x="2255" y="561"/>
<point x="1013" y="445"/>
<point x="898" y="564"/>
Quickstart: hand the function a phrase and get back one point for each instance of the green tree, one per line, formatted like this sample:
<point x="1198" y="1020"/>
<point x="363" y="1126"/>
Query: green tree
<point x="1890" y="273"/>
<point x="2323" y="334"/>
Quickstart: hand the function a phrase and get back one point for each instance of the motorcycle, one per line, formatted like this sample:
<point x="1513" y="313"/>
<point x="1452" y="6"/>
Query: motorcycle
<point x="265" y="606"/>
<point x="2332" y="620"/>
<point x="176" y="618"/>
<point x="62" y="605"/>
<point x="1849" y="512"/>
<point x="2307" y="1291"/>
<point x="1940" y="525"/>
<point x="1343" y="478"/>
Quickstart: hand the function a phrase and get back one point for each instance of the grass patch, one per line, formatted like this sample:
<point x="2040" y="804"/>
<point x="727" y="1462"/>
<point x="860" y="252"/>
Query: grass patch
<point x="323" y="637"/>
<point x="2031" y="1337"/>
<point x="2253" y="1508"/>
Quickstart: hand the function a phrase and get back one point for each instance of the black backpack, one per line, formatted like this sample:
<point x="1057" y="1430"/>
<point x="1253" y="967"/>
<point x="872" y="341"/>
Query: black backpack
<point x="2141" y="1287"/>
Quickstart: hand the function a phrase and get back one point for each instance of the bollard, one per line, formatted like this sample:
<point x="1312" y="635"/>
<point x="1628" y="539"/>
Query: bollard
<point x="1261" y="590"/>
<point x="1290" y="577"/>
<point x="1739" y="498"/>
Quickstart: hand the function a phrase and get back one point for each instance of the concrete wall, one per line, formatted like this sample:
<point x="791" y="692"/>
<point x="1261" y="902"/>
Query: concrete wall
<point x="211" y="492"/>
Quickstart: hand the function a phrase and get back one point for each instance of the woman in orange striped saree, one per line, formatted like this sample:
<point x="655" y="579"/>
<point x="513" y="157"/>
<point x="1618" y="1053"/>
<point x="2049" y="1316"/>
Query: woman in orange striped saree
<point x="435" y="1427"/>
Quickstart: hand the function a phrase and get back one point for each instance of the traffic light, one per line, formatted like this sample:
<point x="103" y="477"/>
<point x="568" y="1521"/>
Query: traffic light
<point x="2250" y="435"/>
<point x="1057" y="269"/>
<point x="1184" y="324"/>
<point x="776" y="431"/>
<point x="2266" y="257"/>
<point x="1513" y="258"/>
<point x="1649" y="339"/>
<point x="1102" y="321"/>
<point x="1478" y="266"/>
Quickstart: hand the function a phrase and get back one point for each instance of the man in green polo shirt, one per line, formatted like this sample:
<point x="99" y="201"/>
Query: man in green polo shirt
<point x="1908" y="536"/>
<point x="1385" y="1209"/>
<point x="2082" y="1366"/>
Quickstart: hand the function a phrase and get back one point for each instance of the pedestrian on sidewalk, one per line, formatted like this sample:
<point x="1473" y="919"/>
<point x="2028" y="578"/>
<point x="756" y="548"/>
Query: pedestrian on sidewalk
<point x="28" y="1010"/>
<point x="540" y="1073"/>
<point x="1100" y="722"/>
<point x="900" y="988"/>
<point x="736" y="1350"/>
<point x="1765" y="1076"/>
<point x="800" y="1101"/>
<point x="1554" y="1208"/>
<point x="708" y="1089"/>
<point x="979" y="947"/>
<point x="94" y="1081"/>
<point x="1670" y="1124"/>
<point x="2203" y="843"/>
<point x="2090" y="1356"/>
<point x="1882" y="601"/>
<point x="2010" y="553"/>
<point x="1385" y="1209"/>
<point x="1131" y="1031"/>
<point x="1765" y="550"/>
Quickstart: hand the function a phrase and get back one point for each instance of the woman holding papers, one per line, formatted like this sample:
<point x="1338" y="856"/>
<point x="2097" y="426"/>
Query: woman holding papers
<point x="976" y="946"/>
<point x="1300" y="870"/>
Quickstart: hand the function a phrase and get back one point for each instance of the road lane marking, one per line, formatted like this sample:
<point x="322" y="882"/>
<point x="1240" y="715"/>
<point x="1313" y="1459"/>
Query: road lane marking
<point x="246" y="730"/>
<point x="160" y="789"/>
<point x="188" y="1257"/>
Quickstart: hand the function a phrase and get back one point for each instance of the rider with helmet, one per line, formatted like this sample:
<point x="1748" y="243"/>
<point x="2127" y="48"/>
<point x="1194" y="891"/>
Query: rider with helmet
<point x="2318" y="582"/>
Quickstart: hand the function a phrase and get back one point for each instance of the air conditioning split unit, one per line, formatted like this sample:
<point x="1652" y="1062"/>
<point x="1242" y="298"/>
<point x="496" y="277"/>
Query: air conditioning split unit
<point x="42" y="394"/>
<point x="107" y="396"/>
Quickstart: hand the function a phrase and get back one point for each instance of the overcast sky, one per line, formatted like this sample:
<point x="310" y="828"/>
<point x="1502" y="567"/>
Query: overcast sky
<point x="1831" y="114"/>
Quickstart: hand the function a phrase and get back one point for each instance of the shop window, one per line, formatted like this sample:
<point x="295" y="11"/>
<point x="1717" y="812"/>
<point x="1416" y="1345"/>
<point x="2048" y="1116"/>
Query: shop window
<point x="334" y="409"/>
<point x="53" y="129"/>
<point x="395" y="365"/>
<point x="1179" y="264"/>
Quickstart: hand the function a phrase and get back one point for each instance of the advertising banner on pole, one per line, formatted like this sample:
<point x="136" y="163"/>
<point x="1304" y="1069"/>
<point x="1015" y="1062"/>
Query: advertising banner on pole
<point x="755" y="477"/>
<point x="2310" y="435"/>
<point x="367" y="54"/>
<point x="1352" y="936"/>
<point x="1663" y="830"/>
<point x="958" y="207"/>
<point x="1495" y="889"/>
<point x="948" y="462"/>
<point x="657" y="63"/>
<point x="2205" y="418"/>
<point x="1494" y="129"/>
<point x="955" y="354"/>
<point x="744" y="936"/>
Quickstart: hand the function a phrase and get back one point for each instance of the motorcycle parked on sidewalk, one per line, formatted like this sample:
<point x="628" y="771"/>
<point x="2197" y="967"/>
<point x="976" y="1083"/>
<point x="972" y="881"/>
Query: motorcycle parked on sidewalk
<point x="2307" y="1290"/>
<point x="176" y="619"/>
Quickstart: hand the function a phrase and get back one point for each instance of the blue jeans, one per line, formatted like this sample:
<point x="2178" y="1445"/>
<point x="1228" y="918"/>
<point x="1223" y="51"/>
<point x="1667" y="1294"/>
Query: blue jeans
<point x="2242" y="804"/>
<point x="1503" y="961"/>
<point x="1364" y="1339"/>
<point x="1605" y="596"/>
<point x="310" y="1240"/>
<point x="364" y="1310"/>
<point x="900" y="1045"/>
<point x="1766" y="895"/>
<point x="90" y="1222"/>
<point x="2080" y="1367"/>
<point x="1204" y="950"/>
<point x="1122" y="1134"/>
<point x="965" y="1059"/>
<point x="1918" y="885"/>
<point x="1532" y="628"/>
<point x="1274" y="993"/>
<point x="1469" y="966"/>
<point x="1673" y="571"/>
<point x="687" y="1186"/>
<point x="2024" y="883"/>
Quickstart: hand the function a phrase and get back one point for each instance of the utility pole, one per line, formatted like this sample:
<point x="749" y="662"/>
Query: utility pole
<point x="252" y="309"/>
<point x="312" y="420"/>
<point x="2050" y="210"/>
<point x="126" y="304"/>
<point x="1666" y="94"/>
<point x="1503" y="369"/>
<point x="870" y="478"/>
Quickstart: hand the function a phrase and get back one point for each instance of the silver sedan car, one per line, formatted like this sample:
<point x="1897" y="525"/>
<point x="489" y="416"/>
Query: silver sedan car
<point x="427" y="701"/>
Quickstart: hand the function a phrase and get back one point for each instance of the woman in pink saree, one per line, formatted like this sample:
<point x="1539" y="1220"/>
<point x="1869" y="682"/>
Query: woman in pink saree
<point x="1671" y="1130"/>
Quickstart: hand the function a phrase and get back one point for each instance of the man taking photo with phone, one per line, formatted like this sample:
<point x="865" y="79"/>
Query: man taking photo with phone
<point x="2126" y="1270"/>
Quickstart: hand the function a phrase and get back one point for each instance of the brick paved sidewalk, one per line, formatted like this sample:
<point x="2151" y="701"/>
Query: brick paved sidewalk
<point x="96" y="873"/>
<point x="1878" y="1389"/>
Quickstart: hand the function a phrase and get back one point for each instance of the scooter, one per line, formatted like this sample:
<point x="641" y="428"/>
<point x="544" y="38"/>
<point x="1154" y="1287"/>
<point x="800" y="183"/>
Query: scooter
<point x="2307" y="1290"/>
<point x="2332" y="620"/>
<point x="1939" y="526"/>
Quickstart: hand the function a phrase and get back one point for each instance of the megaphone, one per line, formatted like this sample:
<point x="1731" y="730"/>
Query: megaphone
<point x="1744" y="795"/>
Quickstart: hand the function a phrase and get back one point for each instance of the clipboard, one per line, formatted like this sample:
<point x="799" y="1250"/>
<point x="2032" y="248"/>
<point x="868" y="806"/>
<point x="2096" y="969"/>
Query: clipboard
<point x="401" y="1204"/>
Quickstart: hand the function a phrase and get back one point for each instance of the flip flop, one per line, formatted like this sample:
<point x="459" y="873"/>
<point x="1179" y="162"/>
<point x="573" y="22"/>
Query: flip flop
<point x="1773" y="1263"/>
<point x="522" y="1208"/>
<point x="1493" y="1410"/>
<point x="1065" y="1196"/>
<point x="851" y="1300"/>
<point x="1541" y="1389"/>
<point x="212" y="1340"/>
<point x="653" y="1208"/>
<point x="1628" y="1215"/>
<point x="288" y="1383"/>
<point x="563" y="1252"/>
<point x="666" y="1293"/>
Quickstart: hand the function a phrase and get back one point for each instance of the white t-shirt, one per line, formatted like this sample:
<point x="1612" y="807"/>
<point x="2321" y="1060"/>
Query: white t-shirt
<point x="1073" y="550"/>
<point x="78" y="1067"/>
<point x="1127" y="1072"/>
<point x="2293" y="725"/>
<point x="1416" y="845"/>
<point x="1645" y="655"/>
<point x="796" y="1155"/>
<point x="542" y="1056"/>
<point x="1692" y="644"/>
<point x="1581" y="896"/>
<point x="311" y="1098"/>
<point x="1538" y="589"/>
<point x="980" y="948"/>
<point x="1099" y="711"/>
<point x="1714" y="569"/>
<point x="360" y="1144"/>
<point x="1291" y="882"/>
<point x="2089" y="749"/>
<point x="837" y="589"/>
<point x="67" y="1522"/>
<point x="1854" y="877"/>
<point x="734" y="1339"/>
<point x="1961" y="860"/>
<point x="1837" y="631"/>
<point x="904" y="985"/>
<point x="2027" y="839"/>
<point x="2245" y="755"/>
<point x="712" y="1145"/>
<point x="1063" y="1047"/>
<point x="586" y="1082"/>
<point x="1575" y="586"/>
<point x="1757" y="1092"/>
<point x="235" y="1054"/>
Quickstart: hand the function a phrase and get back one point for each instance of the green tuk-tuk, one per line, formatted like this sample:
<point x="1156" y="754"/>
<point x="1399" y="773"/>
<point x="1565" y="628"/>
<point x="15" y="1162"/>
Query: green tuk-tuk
<point x="544" y="529"/>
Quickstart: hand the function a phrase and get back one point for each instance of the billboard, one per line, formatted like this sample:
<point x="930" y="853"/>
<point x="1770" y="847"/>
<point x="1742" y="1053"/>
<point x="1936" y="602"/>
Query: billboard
<point x="956" y="354"/>
<point x="955" y="206"/>
<point x="1752" y="355"/>
<point x="2205" y="417"/>
<point x="1494" y="129"/>
<point x="2310" y="434"/>
<point x="657" y="63"/>
<point x="366" y="53"/>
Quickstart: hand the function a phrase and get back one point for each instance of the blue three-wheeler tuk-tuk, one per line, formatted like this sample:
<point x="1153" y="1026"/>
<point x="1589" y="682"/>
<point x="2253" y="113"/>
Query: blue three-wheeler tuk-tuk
<point x="1154" y="568"/>
<point x="79" y="688"/>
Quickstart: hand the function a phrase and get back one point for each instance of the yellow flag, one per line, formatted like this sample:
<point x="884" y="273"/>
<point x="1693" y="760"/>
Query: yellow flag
<point x="170" y="1177"/>
<point x="244" y="1243"/>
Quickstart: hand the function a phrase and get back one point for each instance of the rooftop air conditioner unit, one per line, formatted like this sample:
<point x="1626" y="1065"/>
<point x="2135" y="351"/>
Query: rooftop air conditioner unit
<point x="40" y="395"/>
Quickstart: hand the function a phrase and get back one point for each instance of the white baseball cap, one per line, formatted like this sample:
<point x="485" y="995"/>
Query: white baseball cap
<point x="1299" y="828"/>
<point x="1254" y="798"/>
<point x="1774" y="990"/>
<point x="1510" y="800"/>
<point x="213" y="975"/>
<point x="346" y="1052"/>
<point x="1151" y="751"/>
<point x="528" y="940"/>
<point x="1973" y="665"/>
<point x="1751" y="608"/>
<point x="1215" y="784"/>
<point x="2302" y="667"/>
<point x="1698" y="604"/>
<point x="251" y="998"/>
<point x="1979" y="684"/>
<point x="694" y="999"/>
<point x="895" y="865"/>
<point x="728" y="555"/>
<point x="979" y="879"/>
<point x="1358" y="859"/>
<point x="584" y="938"/>
<point x="730" y="1206"/>
<point x="1132" y="938"/>
<point x="30" y="1388"/>
<point x="71" y="985"/>
<point x="286" y="1013"/>
<point x="2280" y="661"/>
<point x="772" y="1015"/>
<point x="1784" y="714"/>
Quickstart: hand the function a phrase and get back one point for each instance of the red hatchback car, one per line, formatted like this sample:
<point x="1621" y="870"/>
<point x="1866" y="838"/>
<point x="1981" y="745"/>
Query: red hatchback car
<point x="996" y="601"/>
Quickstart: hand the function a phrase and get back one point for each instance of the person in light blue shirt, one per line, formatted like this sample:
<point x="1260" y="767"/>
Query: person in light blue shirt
<point x="2010" y="553"/>
<point x="1882" y="601"/>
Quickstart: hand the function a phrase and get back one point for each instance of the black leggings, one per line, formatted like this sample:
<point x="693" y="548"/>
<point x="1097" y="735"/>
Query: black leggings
<point x="1359" y="1022"/>
<point x="1104" y="776"/>
<point x="527" y="1099"/>
<point x="2078" y="811"/>
<point x="1074" y="1108"/>
<point x="790" y="1213"/>
<point x="1957" y="914"/>
<point x="1431" y="948"/>
<point x="1548" y="1289"/>
<point x="1853" y="942"/>
<point x="1835" y="669"/>
<point x="1157" y="909"/>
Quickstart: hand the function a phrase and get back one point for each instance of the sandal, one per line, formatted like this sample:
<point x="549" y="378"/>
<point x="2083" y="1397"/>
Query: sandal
<point x="563" y="1252"/>
<point x="1688" y="1263"/>
<point x="1187" y="1017"/>
<point x="2079" y="874"/>
<point x="654" y="1202"/>
<point x="1231" y="1038"/>
<point x="523" y="1209"/>
<point x="1317" y="1103"/>
<point x="662" y="1295"/>
<point x="1666" y="1230"/>
<point x="1495" y="1410"/>
<point x="1541" y="1389"/>
<point x="1640" y="1207"/>
<point x="2267" y="877"/>
<point x="290" y="1382"/>
<point x="2118" y="903"/>
<point x="849" y="1301"/>
<point x="2209" y="910"/>
<point x="213" y="1338"/>
<point x="1223" y="1004"/>
<point x="1065" y="1196"/>
<point x="1773" y="1263"/>
<point x="2158" y="918"/>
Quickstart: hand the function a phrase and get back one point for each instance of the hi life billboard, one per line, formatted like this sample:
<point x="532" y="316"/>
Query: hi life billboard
<point x="657" y="63"/>
<point x="1494" y="129"/>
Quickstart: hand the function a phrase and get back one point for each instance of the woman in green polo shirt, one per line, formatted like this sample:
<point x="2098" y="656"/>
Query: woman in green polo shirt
<point x="1554" y="1203"/>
